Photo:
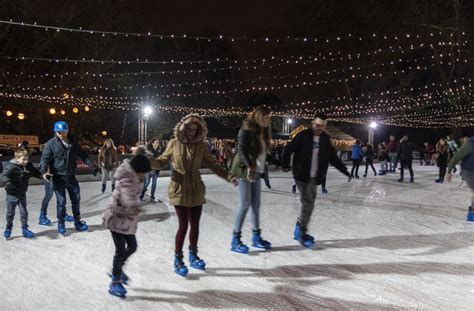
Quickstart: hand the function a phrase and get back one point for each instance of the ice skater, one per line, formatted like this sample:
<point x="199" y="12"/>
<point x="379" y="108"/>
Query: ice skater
<point x="356" y="159"/>
<point x="312" y="152"/>
<point x="248" y="165"/>
<point x="121" y="217"/>
<point x="15" y="177"/>
<point x="442" y="159"/>
<point x="60" y="159"/>
<point x="108" y="161"/>
<point x="383" y="158"/>
<point x="187" y="152"/>
<point x="392" y="147"/>
<point x="466" y="155"/>
<point x="153" y="147"/>
<point x="48" y="195"/>
<point x="369" y="159"/>
<point x="405" y="156"/>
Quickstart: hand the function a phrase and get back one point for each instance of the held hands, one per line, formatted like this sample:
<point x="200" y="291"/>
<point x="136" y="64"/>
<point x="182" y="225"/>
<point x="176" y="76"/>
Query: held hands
<point x="47" y="176"/>
<point x="234" y="181"/>
<point x="95" y="171"/>
<point x="251" y="174"/>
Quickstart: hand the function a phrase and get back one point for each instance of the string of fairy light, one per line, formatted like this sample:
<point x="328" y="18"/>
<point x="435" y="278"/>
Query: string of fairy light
<point x="392" y="107"/>
<point x="384" y="104"/>
<point x="419" y="64"/>
<point x="149" y="34"/>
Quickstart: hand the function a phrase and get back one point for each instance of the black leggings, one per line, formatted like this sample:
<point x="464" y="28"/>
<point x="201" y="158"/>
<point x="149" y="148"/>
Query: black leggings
<point x="125" y="245"/>
<point x="186" y="215"/>
<point x="403" y="165"/>
<point x="442" y="172"/>
<point x="355" y="166"/>
<point x="367" y="167"/>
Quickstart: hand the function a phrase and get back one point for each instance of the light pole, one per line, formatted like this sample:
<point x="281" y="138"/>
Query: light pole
<point x="289" y="122"/>
<point x="372" y="127"/>
<point x="143" y="115"/>
<point x="147" y="111"/>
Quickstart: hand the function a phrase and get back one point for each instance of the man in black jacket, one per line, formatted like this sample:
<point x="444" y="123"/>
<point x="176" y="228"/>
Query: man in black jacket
<point x="312" y="152"/>
<point x="60" y="156"/>
<point x="405" y="155"/>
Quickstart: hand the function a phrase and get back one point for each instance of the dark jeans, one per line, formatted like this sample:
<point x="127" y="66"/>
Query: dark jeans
<point x="442" y="172"/>
<point x="406" y="164"/>
<point x="150" y="177"/>
<point x="69" y="184"/>
<point x="12" y="203"/>
<point x="125" y="245"/>
<point x="355" y="166"/>
<point x="191" y="215"/>
<point x="48" y="194"/>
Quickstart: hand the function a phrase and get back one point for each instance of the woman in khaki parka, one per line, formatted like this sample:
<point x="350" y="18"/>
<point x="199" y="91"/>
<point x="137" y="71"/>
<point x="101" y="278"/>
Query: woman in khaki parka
<point x="186" y="191"/>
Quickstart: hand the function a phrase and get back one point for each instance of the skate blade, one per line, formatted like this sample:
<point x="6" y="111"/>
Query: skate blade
<point x="183" y="275"/>
<point x="239" y="252"/>
<point x="117" y="294"/>
<point x="262" y="247"/>
<point x="199" y="267"/>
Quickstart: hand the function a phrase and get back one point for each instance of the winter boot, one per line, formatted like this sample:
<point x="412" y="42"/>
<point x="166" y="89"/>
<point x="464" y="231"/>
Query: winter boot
<point x="68" y="218"/>
<point x="237" y="245"/>
<point x="7" y="233"/>
<point x="152" y="199"/>
<point x="297" y="233"/>
<point x="196" y="262"/>
<point x="43" y="220"/>
<point x="61" y="229"/>
<point x="80" y="225"/>
<point x="116" y="288"/>
<point x="324" y="190"/>
<point x="400" y="180"/>
<point x="412" y="180"/>
<point x="27" y="233"/>
<point x="103" y="188"/>
<point x="257" y="240"/>
<point x="439" y="181"/>
<point x="470" y="214"/>
<point x="179" y="266"/>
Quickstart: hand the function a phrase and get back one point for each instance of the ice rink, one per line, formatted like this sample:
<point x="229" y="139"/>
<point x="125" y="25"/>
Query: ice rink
<point x="380" y="245"/>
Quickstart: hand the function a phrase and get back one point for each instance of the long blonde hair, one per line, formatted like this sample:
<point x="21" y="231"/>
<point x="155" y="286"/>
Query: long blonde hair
<point x="104" y="146"/>
<point x="256" y="117"/>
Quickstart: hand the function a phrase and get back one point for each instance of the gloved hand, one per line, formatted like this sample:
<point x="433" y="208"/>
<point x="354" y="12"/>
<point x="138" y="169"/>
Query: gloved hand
<point x="95" y="171"/>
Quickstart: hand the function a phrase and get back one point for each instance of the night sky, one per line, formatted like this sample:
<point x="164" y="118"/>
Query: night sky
<point x="259" y="19"/>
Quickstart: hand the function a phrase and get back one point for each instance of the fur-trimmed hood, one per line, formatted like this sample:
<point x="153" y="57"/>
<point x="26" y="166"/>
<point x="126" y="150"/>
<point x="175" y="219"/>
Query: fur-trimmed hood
<point x="201" y="133"/>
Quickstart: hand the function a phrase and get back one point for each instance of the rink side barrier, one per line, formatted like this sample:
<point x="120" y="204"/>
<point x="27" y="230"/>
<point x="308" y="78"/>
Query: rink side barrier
<point x="83" y="173"/>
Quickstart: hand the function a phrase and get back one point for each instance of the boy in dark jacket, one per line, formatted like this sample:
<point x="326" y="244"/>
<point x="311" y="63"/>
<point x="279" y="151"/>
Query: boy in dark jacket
<point x="15" y="177"/>
<point x="312" y="152"/>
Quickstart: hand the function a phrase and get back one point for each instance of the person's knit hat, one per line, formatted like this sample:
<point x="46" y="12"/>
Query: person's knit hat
<point x="140" y="164"/>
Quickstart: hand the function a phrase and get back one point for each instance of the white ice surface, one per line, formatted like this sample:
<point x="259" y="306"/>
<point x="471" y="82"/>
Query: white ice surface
<point x="380" y="245"/>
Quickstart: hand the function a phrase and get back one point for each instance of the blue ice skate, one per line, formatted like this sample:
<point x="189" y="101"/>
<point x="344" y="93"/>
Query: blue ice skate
<point x="196" y="262"/>
<point x="258" y="242"/>
<point x="179" y="266"/>
<point x="237" y="245"/>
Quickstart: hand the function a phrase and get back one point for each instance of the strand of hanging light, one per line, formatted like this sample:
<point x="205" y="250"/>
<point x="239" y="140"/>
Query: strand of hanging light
<point x="221" y="37"/>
